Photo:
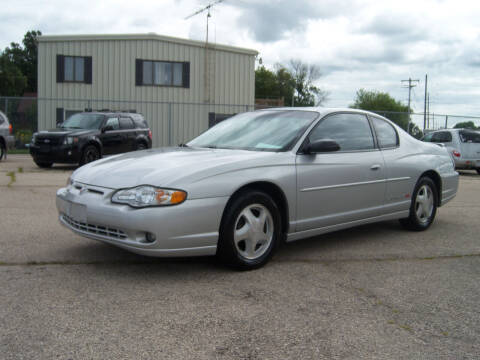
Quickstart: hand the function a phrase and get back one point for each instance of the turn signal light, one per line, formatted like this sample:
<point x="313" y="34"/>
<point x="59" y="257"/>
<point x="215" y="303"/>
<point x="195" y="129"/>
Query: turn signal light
<point x="456" y="153"/>
<point x="10" y="129"/>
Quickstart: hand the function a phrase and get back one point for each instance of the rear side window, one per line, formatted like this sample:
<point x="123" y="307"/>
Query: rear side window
<point x="140" y="122"/>
<point x="441" y="137"/>
<point x="126" y="123"/>
<point x="351" y="131"/>
<point x="469" y="136"/>
<point x="386" y="134"/>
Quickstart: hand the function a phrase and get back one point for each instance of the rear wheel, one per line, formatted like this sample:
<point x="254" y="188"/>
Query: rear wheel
<point x="423" y="207"/>
<point x="250" y="231"/>
<point x="90" y="153"/>
<point x="43" y="164"/>
<point x="141" y="146"/>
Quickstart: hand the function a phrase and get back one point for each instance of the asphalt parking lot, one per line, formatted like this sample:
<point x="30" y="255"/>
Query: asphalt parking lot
<point x="373" y="292"/>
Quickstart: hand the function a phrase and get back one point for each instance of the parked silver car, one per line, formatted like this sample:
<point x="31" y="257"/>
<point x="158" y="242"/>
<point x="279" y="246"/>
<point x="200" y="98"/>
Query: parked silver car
<point x="6" y="138"/>
<point x="463" y="145"/>
<point x="256" y="179"/>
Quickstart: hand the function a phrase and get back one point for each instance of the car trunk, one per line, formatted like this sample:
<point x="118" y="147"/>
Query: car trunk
<point x="470" y="145"/>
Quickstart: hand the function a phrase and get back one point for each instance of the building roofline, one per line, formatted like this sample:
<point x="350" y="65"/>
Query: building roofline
<point x="149" y="36"/>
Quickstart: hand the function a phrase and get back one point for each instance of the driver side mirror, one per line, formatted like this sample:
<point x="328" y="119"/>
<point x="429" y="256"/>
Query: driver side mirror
<point x="320" y="146"/>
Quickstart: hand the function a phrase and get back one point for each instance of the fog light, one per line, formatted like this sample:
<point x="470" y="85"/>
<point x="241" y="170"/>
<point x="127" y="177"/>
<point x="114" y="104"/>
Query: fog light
<point x="150" y="238"/>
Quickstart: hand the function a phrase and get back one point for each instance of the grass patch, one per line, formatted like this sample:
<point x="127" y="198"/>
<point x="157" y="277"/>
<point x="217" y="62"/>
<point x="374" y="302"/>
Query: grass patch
<point x="12" y="176"/>
<point x="20" y="170"/>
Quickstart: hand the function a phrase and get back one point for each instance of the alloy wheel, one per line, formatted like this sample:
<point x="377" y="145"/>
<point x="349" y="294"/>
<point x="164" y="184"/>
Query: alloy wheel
<point x="253" y="231"/>
<point x="424" y="204"/>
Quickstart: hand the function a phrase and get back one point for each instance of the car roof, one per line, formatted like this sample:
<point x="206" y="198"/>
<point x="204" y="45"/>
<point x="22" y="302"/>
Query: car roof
<point x="323" y="110"/>
<point x="109" y="113"/>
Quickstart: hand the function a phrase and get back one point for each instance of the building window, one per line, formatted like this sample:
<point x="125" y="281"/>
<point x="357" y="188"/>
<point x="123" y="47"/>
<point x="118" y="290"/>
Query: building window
<point x="76" y="69"/>
<point x="162" y="73"/>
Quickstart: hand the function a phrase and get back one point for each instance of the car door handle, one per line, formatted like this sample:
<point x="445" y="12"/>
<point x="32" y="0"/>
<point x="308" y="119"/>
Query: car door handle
<point x="375" y="167"/>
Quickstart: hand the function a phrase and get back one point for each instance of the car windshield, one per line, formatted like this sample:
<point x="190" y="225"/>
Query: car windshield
<point x="259" y="131"/>
<point x="470" y="136"/>
<point x="84" y="121"/>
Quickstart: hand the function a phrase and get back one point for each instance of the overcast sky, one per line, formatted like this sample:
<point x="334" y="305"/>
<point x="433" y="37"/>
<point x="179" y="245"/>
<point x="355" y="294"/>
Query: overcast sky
<point x="367" y="44"/>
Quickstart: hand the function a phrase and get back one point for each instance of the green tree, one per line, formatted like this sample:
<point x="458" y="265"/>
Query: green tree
<point x="383" y="104"/>
<point x="466" y="125"/>
<point x="295" y="81"/>
<point x="25" y="58"/>
<point x="12" y="81"/>
<point x="304" y="75"/>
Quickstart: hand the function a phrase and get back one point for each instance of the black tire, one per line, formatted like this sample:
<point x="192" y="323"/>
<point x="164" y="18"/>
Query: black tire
<point x="478" y="171"/>
<point x="90" y="153"/>
<point x="230" y="251"/>
<point x="141" y="146"/>
<point x="421" y="216"/>
<point x="43" y="164"/>
<point x="3" y="151"/>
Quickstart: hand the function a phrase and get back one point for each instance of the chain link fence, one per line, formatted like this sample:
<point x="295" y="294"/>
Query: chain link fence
<point x="172" y="123"/>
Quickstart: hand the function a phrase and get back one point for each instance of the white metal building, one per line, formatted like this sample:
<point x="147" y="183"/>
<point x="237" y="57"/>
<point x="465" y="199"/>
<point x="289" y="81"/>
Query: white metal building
<point x="180" y="86"/>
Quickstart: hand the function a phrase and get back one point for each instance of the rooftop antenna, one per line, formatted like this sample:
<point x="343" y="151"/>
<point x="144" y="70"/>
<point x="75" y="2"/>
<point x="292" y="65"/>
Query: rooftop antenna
<point x="206" y="73"/>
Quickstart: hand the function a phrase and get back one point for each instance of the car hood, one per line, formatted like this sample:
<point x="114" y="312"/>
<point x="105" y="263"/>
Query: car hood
<point x="65" y="131"/>
<point x="168" y="167"/>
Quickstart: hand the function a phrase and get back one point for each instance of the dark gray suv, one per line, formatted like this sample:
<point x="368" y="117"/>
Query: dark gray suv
<point x="87" y="136"/>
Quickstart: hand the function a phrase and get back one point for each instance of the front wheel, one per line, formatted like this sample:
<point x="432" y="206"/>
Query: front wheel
<point x="250" y="231"/>
<point x="90" y="153"/>
<point x="423" y="207"/>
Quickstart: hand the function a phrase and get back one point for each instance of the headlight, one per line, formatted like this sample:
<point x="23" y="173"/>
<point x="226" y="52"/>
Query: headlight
<point x="146" y="195"/>
<point x="69" y="140"/>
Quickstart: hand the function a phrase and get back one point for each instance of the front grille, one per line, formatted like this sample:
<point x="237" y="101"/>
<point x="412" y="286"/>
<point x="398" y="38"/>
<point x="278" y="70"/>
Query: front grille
<point x="48" y="140"/>
<point x="95" y="229"/>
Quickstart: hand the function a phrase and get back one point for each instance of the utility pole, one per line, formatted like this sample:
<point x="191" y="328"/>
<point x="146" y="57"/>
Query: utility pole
<point x="410" y="86"/>
<point x="425" y="104"/>
<point x="428" y="110"/>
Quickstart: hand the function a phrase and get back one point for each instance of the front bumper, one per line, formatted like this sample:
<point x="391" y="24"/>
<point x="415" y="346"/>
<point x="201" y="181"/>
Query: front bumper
<point x="68" y="154"/>
<point x="188" y="229"/>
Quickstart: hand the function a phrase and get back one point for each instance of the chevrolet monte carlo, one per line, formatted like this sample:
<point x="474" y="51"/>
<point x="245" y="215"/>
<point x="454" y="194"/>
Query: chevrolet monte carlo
<point x="257" y="179"/>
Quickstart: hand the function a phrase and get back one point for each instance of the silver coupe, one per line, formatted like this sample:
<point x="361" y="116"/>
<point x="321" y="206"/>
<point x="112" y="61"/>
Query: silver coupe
<point x="257" y="179"/>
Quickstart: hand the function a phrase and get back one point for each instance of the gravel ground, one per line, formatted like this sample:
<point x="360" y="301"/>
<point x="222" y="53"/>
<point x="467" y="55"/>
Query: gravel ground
<point x="376" y="291"/>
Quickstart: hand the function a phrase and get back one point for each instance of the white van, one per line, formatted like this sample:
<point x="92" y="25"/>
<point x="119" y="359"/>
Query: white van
<point x="463" y="145"/>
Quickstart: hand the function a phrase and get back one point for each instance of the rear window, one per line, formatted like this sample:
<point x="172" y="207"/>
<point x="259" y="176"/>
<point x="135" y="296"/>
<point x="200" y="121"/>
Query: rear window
<point x="441" y="137"/>
<point x="469" y="136"/>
